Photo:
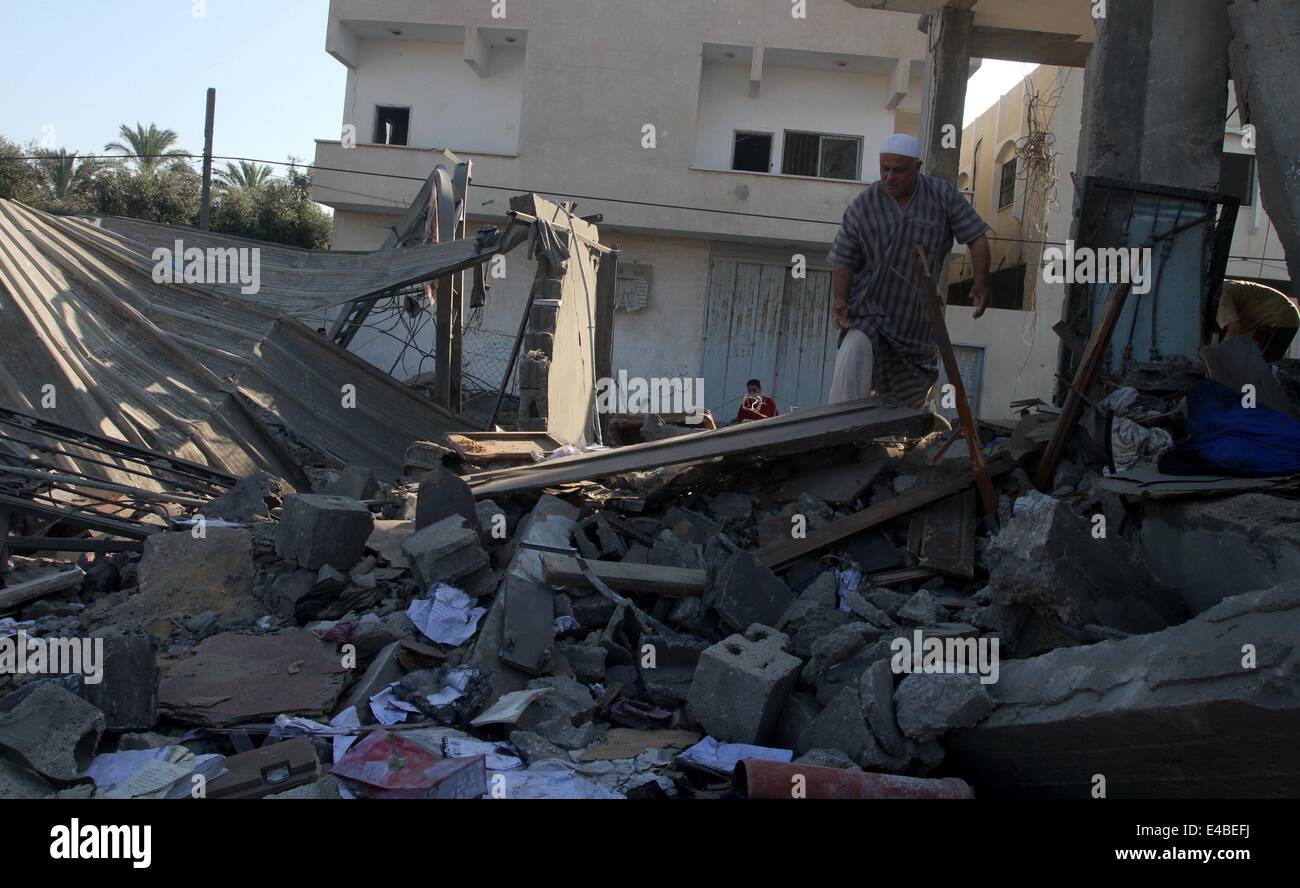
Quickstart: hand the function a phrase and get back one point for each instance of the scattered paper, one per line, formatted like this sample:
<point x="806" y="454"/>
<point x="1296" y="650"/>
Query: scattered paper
<point x="351" y="720"/>
<point x="508" y="709"/>
<point x="566" y="623"/>
<point x="387" y="709"/>
<point x="449" y="617"/>
<point x="498" y="758"/>
<point x="150" y="773"/>
<point x="849" y="579"/>
<point x="546" y="780"/>
<point x="721" y="758"/>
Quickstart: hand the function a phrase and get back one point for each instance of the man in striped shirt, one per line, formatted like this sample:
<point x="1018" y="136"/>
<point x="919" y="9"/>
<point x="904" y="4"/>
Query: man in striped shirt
<point x="887" y="349"/>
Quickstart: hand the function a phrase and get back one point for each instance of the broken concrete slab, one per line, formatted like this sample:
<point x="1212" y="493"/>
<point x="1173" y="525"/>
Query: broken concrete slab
<point x="355" y="483"/>
<point x="535" y="748"/>
<point x="876" y="693"/>
<point x="1207" y="709"/>
<point x="668" y="667"/>
<point x="289" y="589"/>
<point x="444" y="552"/>
<point x="383" y="670"/>
<point x="928" y="705"/>
<point x="235" y="678"/>
<point x="529" y="636"/>
<point x="670" y="550"/>
<point x="1048" y="567"/>
<point x="807" y="621"/>
<point x="387" y="539"/>
<point x="251" y="497"/>
<point x="824" y="590"/>
<point x="746" y="592"/>
<point x="839" y="726"/>
<point x="127" y="693"/>
<point x="316" y="530"/>
<point x="442" y="494"/>
<point x="181" y="576"/>
<point x="838" y="646"/>
<point x="740" y="687"/>
<point x="920" y="608"/>
<point x="1210" y="549"/>
<point x="587" y="661"/>
<point x="562" y="717"/>
<point x="19" y="783"/>
<point x="50" y="731"/>
<point x="799" y="712"/>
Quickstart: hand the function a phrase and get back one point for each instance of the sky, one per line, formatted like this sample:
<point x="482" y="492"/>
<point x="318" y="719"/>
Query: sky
<point x="98" y="64"/>
<point x="992" y="81"/>
<point x="76" y="77"/>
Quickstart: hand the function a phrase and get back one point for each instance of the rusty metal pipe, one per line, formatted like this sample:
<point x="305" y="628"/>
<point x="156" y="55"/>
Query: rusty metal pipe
<point x="760" y="779"/>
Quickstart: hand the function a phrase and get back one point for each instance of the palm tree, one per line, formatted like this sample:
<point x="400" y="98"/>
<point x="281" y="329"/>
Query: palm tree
<point x="246" y="176"/>
<point x="65" y="173"/>
<point x="147" y="147"/>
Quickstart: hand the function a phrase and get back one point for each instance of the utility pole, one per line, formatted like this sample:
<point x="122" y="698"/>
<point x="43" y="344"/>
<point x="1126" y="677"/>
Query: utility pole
<point x="205" y="206"/>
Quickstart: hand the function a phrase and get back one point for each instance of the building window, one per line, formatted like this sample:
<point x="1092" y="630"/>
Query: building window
<point x="1237" y="177"/>
<point x="823" y="156"/>
<point x="392" y="125"/>
<point x="1006" y="290"/>
<point x="1007" y="189"/>
<point x="752" y="152"/>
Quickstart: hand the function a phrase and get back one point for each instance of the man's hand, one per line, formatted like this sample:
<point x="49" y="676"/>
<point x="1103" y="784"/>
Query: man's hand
<point x="979" y="294"/>
<point x="840" y="315"/>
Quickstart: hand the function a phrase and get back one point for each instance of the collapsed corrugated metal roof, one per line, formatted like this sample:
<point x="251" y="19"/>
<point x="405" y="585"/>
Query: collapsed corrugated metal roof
<point x="92" y="341"/>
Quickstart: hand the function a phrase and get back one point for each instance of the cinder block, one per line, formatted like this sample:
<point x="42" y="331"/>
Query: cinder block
<point x="740" y="687"/>
<point x="444" y="552"/>
<point x="318" y="529"/>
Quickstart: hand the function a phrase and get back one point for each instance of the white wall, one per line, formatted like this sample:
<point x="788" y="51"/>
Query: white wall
<point x="790" y="99"/>
<point x="451" y="106"/>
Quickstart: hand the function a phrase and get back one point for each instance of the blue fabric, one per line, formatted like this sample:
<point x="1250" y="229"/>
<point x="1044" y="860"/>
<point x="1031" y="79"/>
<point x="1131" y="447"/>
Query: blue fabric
<point x="1229" y="439"/>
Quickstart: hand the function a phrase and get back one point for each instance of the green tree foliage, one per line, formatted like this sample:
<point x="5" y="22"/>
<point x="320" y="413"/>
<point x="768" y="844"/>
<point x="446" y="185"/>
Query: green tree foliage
<point x="147" y="150"/>
<point x="277" y="210"/>
<point x="20" y="180"/>
<point x="249" y="200"/>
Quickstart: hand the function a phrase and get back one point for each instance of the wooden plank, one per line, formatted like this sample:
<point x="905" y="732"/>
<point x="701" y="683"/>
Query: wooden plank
<point x="855" y="421"/>
<point x="934" y="304"/>
<point x="1082" y="381"/>
<point x="942" y="536"/>
<point x="671" y="582"/>
<point x="872" y="516"/>
<point x="901" y="575"/>
<point x="22" y="593"/>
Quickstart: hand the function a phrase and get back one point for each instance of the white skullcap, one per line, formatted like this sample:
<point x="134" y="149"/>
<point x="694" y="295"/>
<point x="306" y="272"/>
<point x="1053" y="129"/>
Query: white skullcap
<point x="901" y="144"/>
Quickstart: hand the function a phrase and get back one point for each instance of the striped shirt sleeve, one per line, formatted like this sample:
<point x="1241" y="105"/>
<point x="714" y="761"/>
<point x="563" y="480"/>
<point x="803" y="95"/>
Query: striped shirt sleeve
<point x="965" y="223"/>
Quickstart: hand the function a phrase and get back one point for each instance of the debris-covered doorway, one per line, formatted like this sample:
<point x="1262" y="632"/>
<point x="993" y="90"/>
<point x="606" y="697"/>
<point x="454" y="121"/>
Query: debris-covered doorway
<point x="762" y="322"/>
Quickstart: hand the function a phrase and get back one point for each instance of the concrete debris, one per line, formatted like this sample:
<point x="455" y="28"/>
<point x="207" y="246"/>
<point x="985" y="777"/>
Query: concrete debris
<point x="444" y="552"/>
<point x="253" y="497"/>
<point x="741" y="685"/>
<point x="316" y="530"/>
<point x="441" y="495"/>
<point x="1049" y="572"/>
<point x="356" y="483"/>
<point x="745" y="592"/>
<point x="1206" y="709"/>
<point x="929" y="705"/>
<point x="50" y="731"/>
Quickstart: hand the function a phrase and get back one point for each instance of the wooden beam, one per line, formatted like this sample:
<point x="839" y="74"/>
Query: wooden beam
<point x="671" y="582"/>
<point x="934" y="304"/>
<point x="872" y="516"/>
<point x="1083" y="378"/>
<point x="22" y="593"/>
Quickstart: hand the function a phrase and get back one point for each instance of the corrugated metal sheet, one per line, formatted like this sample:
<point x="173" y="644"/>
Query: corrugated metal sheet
<point x="83" y="322"/>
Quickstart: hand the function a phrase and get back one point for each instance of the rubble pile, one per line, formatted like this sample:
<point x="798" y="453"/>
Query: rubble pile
<point x="689" y="630"/>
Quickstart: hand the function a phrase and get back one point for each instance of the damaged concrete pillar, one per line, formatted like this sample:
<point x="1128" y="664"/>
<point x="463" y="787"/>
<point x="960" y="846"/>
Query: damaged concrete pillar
<point x="947" y="68"/>
<point x="1265" y="42"/>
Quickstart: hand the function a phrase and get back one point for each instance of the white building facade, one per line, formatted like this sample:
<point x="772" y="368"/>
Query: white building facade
<point x="720" y="141"/>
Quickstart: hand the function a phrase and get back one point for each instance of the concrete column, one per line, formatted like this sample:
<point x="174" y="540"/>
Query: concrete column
<point x="947" y="67"/>
<point x="1113" y="98"/>
<point x="1265" y="43"/>
<point x="1187" y="94"/>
